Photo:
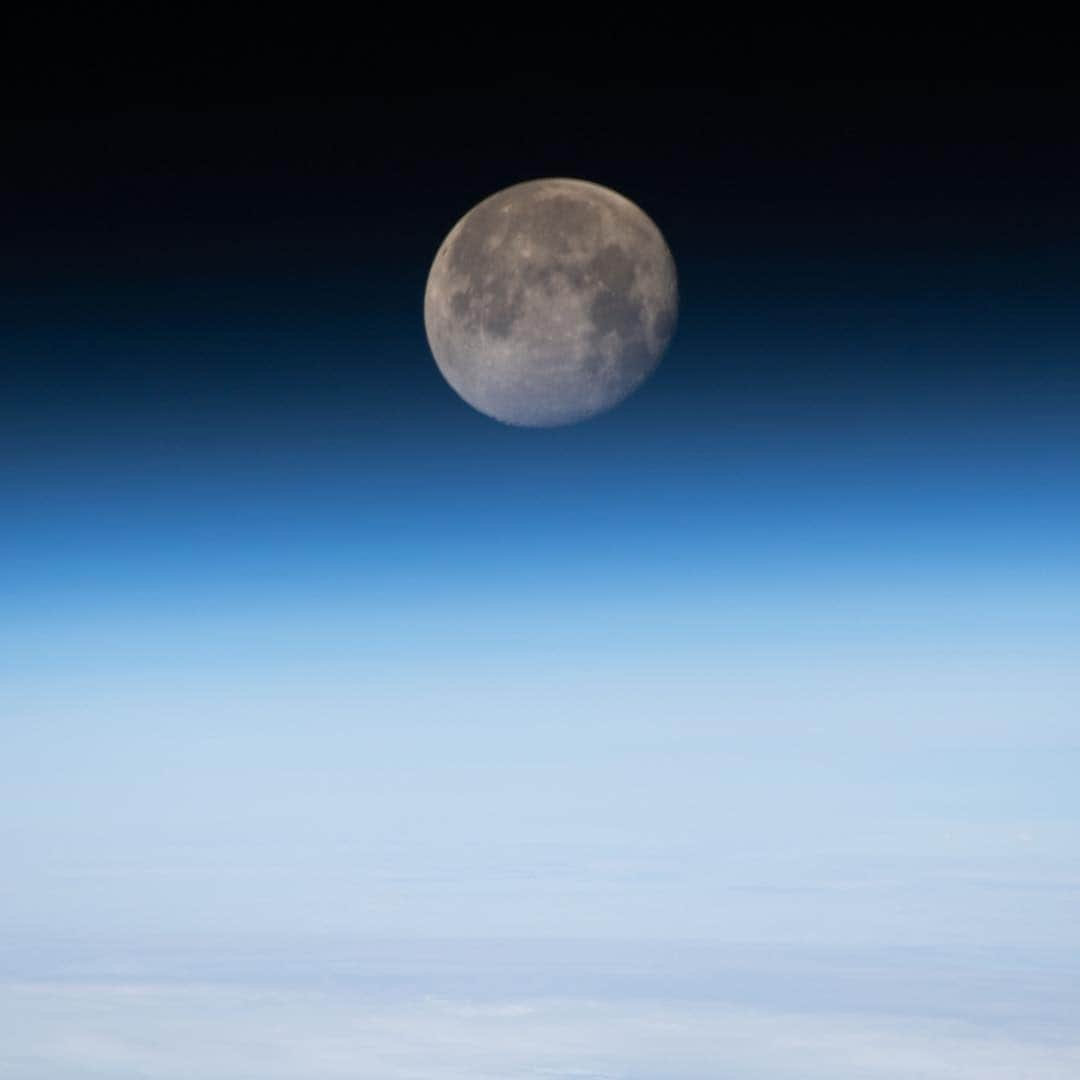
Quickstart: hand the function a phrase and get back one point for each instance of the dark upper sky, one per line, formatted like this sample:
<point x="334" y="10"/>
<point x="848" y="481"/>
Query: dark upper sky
<point x="228" y="237"/>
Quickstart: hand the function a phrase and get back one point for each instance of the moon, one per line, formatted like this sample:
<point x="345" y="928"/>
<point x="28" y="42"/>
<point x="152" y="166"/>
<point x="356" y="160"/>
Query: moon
<point x="550" y="302"/>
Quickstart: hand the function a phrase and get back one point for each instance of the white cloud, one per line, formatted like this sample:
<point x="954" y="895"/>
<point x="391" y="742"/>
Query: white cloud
<point x="58" y="1031"/>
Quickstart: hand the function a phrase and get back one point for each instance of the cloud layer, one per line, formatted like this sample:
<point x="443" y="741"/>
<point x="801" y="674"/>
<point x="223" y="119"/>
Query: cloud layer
<point x="932" y="1016"/>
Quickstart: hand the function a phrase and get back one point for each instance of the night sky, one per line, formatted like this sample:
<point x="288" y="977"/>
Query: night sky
<point x="296" y="644"/>
<point x="211" y="314"/>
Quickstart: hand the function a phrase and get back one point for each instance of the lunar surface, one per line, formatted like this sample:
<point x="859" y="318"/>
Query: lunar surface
<point x="550" y="302"/>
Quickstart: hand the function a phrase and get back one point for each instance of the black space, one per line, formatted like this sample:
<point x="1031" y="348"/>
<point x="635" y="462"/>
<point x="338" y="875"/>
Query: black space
<point x="855" y="213"/>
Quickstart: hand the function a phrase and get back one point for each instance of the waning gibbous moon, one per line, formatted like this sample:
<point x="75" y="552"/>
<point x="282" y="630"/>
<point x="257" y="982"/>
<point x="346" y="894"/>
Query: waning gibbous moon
<point x="550" y="302"/>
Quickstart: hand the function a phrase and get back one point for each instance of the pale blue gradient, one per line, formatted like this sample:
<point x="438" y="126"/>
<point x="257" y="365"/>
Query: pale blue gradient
<point x="792" y="702"/>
